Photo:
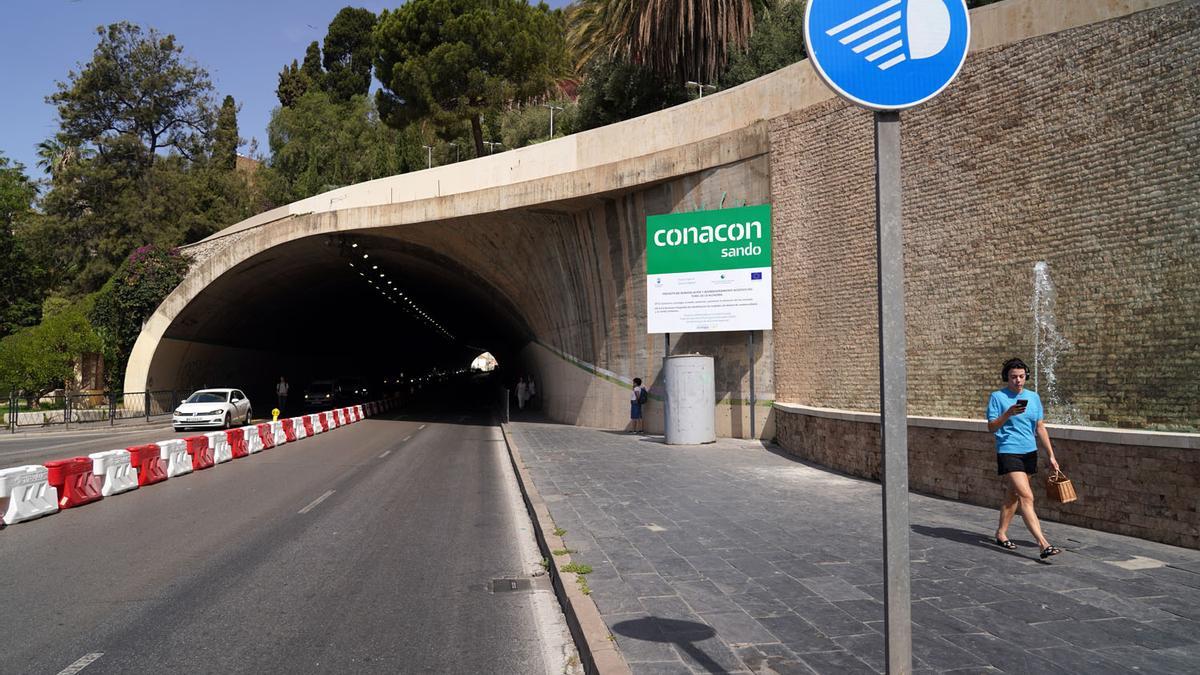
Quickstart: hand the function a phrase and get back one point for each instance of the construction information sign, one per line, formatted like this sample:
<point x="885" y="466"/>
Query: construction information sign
<point x="709" y="271"/>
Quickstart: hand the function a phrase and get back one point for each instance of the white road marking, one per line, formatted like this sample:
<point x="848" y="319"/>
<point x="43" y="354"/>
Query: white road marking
<point x="316" y="501"/>
<point x="385" y="454"/>
<point x="406" y="439"/>
<point x="420" y="427"/>
<point x="82" y="663"/>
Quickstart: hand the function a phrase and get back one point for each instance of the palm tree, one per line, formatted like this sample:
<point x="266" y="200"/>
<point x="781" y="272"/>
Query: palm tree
<point x="680" y="39"/>
<point x="55" y="155"/>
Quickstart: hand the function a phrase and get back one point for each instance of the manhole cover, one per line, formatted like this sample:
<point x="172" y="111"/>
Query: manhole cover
<point x="511" y="585"/>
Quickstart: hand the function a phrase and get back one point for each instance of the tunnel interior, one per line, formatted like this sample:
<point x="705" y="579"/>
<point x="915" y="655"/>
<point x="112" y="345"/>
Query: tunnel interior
<point x="364" y="306"/>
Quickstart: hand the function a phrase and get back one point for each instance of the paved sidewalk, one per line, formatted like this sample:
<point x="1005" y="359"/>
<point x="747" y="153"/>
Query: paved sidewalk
<point x="733" y="557"/>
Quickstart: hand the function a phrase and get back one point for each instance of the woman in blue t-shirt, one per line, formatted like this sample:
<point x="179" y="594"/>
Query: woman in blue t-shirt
<point x="1015" y="419"/>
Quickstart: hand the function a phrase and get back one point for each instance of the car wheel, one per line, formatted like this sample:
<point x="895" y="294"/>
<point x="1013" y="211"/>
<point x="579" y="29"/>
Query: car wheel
<point x="249" y="416"/>
<point x="228" y="421"/>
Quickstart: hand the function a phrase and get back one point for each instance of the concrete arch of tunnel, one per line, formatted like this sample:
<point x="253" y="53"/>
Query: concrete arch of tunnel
<point x="536" y="254"/>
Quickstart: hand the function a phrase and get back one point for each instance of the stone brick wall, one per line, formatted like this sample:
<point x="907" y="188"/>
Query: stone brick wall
<point x="1078" y="149"/>
<point x="1142" y="491"/>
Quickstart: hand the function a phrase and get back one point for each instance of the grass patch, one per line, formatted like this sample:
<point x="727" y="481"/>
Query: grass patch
<point x="558" y="532"/>
<point x="577" y="568"/>
<point x="562" y="551"/>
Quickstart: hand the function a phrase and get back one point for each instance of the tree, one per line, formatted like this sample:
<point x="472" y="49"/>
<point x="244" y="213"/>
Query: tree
<point x="293" y="83"/>
<point x="130" y="297"/>
<point x="44" y="356"/>
<point x="777" y="42"/>
<point x="348" y="54"/>
<point x="678" y="39"/>
<point x="318" y="144"/>
<point x="312" y="63"/>
<point x="137" y="85"/>
<point x="225" y="139"/>
<point x="20" y="290"/>
<point x="616" y="90"/>
<point x="452" y="61"/>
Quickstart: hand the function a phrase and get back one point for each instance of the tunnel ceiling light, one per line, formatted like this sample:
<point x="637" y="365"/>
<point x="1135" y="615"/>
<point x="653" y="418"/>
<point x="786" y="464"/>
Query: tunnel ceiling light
<point x="366" y="255"/>
<point x="352" y="264"/>
<point x="353" y="245"/>
<point x="374" y="267"/>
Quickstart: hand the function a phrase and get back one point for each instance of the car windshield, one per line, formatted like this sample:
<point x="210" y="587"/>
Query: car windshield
<point x="208" y="397"/>
<point x="321" y="388"/>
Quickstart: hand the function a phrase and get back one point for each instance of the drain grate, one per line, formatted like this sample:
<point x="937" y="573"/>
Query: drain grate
<point x="511" y="585"/>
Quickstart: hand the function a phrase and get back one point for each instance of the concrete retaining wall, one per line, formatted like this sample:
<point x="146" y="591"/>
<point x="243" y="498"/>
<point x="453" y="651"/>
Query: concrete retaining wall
<point x="1142" y="484"/>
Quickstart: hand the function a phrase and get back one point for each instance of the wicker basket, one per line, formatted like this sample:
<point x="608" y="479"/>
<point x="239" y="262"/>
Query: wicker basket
<point x="1059" y="488"/>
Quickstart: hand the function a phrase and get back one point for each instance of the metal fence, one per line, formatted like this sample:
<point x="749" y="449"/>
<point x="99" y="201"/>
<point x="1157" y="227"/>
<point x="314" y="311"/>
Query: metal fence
<point x="24" y="412"/>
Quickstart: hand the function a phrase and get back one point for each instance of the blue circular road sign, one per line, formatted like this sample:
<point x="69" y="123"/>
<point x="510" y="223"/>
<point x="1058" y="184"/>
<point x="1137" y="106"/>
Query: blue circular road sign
<point x="887" y="54"/>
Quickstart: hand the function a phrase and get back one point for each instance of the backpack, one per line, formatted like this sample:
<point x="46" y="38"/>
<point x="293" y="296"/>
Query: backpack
<point x="643" y="396"/>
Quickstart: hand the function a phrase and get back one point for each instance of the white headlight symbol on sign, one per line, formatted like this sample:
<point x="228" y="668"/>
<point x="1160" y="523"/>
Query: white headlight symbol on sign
<point x="880" y="33"/>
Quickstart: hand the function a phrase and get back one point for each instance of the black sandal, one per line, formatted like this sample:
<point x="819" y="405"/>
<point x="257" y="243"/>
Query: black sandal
<point x="1049" y="551"/>
<point x="1006" y="543"/>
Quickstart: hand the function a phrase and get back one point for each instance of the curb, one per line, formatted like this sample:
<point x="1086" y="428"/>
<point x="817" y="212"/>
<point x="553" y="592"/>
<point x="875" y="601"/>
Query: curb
<point x="597" y="650"/>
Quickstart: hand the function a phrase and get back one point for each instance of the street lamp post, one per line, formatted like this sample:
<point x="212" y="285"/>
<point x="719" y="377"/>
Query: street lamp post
<point x="456" y="156"/>
<point x="701" y="87"/>
<point x="492" y="145"/>
<point x="552" y="108"/>
<point x="429" y="155"/>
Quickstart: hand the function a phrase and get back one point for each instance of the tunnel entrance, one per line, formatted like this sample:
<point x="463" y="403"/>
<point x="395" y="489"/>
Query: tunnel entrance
<point x="365" y="308"/>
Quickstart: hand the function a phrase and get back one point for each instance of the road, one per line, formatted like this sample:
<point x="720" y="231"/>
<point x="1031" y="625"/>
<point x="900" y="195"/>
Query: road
<point x="38" y="447"/>
<point x="371" y="548"/>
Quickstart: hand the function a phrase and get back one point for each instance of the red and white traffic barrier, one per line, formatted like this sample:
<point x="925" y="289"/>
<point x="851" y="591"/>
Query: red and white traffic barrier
<point x="76" y="483"/>
<point x="201" y="452"/>
<point x="115" y="472"/>
<point x="148" y="462"/>
<point x="252" y="439"/>
<point x="220" y="447"/>
<point x="237" y="443"/>
<point x="299" y="428"/>
<point x="25" y="494"/>
<point x="175" y="452"/>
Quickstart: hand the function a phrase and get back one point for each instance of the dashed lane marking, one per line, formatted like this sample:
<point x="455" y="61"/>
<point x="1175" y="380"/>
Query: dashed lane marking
<point x="82" y="663"/>
<point x="420" y="427"/>
<point x="316" y="501"/>
<point x="406" y="439"/>
<point x="385" y="454"/>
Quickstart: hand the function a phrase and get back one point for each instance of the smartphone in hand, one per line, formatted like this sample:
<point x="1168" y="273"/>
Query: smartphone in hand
<point x="1020" y="405"/>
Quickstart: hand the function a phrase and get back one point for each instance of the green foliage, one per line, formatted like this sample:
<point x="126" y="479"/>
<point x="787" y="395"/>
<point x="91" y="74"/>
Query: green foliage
<point x="577" y="568"/>
<point x="777" y="42"/>
<point x="318" y="144"/>
<point x="453" y="61"/>
<point x="131" y="164"/>
<point x="616" y="90"/>
<point x="558" y="531"/>
<point x="21" y="287"/>
<point x="293" y="84"/>
<point x="312" y="63"/>
<point x="147" y="276"/>
<point x="225" y="139"/>
<point x="562" y="551"/>
<point x="44" y="356"/>
<point x="137" y="86"/>
<point x="348" y="54"/>
<point x="531" y="124"/>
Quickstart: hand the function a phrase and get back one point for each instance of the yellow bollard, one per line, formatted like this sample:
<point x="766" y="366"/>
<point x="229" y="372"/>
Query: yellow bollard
<point x="275" y="414"/>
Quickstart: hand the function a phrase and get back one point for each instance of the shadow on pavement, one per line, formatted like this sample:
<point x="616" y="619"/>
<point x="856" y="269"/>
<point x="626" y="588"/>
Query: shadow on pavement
<point x="682" y="634"/>
<point x="967" y="537"/>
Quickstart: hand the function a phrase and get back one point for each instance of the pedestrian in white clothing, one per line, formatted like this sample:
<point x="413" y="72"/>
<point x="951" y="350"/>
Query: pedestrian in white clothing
<point x="522" y="393"/>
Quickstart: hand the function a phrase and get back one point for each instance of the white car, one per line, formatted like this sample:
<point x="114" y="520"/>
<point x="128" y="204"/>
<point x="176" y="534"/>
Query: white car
<point x="217" y="408"/>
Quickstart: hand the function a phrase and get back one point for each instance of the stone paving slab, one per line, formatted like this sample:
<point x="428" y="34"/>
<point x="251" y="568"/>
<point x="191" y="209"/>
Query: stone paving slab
<point x="733" y="557"/>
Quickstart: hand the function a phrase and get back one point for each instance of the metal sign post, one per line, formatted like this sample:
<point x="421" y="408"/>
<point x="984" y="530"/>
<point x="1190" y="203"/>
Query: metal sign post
<point x="887" y="56"/>
<point x="893" y="396"/>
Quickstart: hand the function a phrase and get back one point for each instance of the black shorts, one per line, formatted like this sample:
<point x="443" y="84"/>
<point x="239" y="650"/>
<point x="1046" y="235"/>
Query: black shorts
<point x="1010" y="462"/>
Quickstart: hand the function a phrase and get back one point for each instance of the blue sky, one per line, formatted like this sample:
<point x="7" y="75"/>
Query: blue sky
<point x="242" y="44"/>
